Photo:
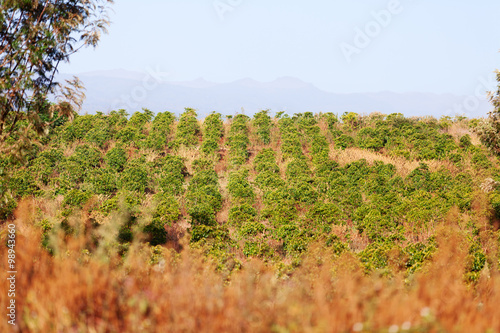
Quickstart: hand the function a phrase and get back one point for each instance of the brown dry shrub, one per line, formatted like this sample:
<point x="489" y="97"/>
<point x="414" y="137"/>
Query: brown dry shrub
<point x="79" y="291"/>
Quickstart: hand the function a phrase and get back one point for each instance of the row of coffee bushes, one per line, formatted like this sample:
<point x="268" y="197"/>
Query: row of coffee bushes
<point x="243" y="216"/>
<point x="188" y="132"/>
<point x="204" y="200"/>
<point x="213" y="130"/>
<point x="284" y="199"/>
<point x="263" y="123"/>
<point x="238" y="140"/>
<point x="278" y="206"/>
<point x="143" y="129"/>
<point x="322" y="213"/>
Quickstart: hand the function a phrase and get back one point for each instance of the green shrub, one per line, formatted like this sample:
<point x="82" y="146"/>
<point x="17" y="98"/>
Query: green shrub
<point x="258" y="249"/>
<point x="171" y="175"/>
<point x="455" y="158"/>
<point x="476" y="262"/>
<point x="22" y="183"/>
<point x="202" y="214"/>
<point x="242" y="213"/>
<point x="118" y="119"/>
<point x="87" y="156"/>
<point x="262" y="121"/>
<point x="76" y="198"/>
<point x="129" y="135"/>
<point x="167" y="211"/>
<point x="465" y="141"/>
<point x="103" y="181"/>
<point x="238" y="139"/>
<point x="109" y="205"/>
<point x="370" y="138"/>
<point x="188" y="130"/>
<point x="139" y="119"/>
<point x="160" y="131"/>
<point x="481" y="161"/>
<point x="135" y="176"/>
<point x="71" y="174"/>
<point x="344" y="141"/>
<point x="239" y="188"/>
<point x="203" y="195"/>
<point x="213" y="129"/>
<point x="417" y="254"/>
<point x="77" y="129"/>
<point x="116" y="158"/>
<point x="7" y="205"/>
<point x="98" y="136"/>
<point x="350" y="119"/>
<point x="331" y="120"/>
<point x="251" y="228"/>
<point x="376" y="255"/>
<point x="325" y="213"/>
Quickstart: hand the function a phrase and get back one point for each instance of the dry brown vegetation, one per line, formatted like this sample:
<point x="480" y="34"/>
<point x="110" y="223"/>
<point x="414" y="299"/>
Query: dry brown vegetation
<point x="403" y="166"/>
<point x="182" y="292"/>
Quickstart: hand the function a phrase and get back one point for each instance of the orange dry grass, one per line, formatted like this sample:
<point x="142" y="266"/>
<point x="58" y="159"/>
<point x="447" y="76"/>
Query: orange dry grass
<point x="75" y="292"/>
<point x="189" y="155"/>
<point x="403" y="166"/>
<point x="458" y="129"/>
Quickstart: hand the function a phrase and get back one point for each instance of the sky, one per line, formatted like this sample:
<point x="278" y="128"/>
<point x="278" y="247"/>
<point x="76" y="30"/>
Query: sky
<point x="340" y="46"/>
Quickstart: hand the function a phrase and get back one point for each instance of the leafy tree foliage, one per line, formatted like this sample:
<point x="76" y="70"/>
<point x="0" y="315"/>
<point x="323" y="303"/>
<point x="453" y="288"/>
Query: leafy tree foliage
<point x="35" y="37"/>
<point x="489" y="129"/>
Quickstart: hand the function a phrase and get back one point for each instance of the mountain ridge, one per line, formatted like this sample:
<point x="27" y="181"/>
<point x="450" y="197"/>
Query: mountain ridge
<point x="115" y="89"/>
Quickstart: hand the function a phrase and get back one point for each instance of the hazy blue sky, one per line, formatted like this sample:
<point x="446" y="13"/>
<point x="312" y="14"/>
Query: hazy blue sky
<point x="422" y="45"/>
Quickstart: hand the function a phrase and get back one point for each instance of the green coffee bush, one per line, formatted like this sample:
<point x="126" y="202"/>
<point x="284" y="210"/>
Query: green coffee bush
<point x="238" y="140"/>
<point x="129" y="135"/>
<point x="22" y="183"/>
<point x="418" y="254"/>
<point x="465" y="142"/>
<point x="98" y="136"/>
<point x="76" y="198"/>
<point x="139" y="119"/>
<point x="239" y="188"/>
<point x="262" y="121"/>
<point x="172" y="172"/>
<point x="251" y="228"/>
<point x="167" y="211"/>
<point x="481" y="161"/>
<point x="213" y="129"/>
<point x="259" y="249"/>
<point x="109" y="205"/>
<point x="160" y="131"/>
<point x="135" y="176"/>
<point x="103" y="181"/>
<point x="242" y="213"/>
<point x="188" y="129"/>
<point x="87" y="156"/>
<point x="116" y="158"/>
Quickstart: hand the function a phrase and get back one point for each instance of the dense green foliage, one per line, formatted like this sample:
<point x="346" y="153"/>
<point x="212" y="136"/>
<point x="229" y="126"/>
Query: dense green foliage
<point x="293" y="188"/>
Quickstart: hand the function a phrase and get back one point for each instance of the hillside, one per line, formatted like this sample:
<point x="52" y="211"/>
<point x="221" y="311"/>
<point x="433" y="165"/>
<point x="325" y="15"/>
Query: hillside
<point x="292" y="223"/>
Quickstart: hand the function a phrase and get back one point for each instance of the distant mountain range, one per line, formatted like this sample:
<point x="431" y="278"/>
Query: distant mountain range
<point x="111" y="90"/>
